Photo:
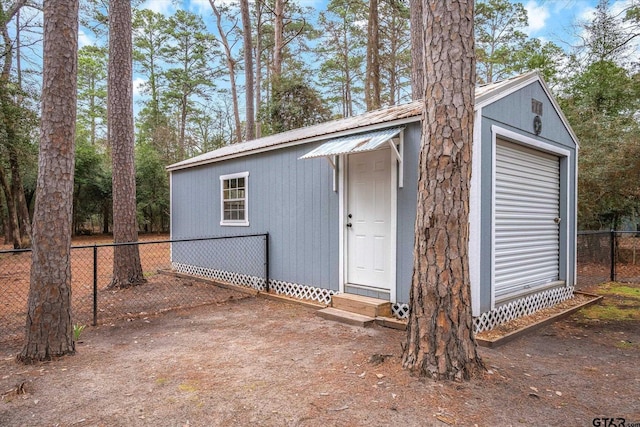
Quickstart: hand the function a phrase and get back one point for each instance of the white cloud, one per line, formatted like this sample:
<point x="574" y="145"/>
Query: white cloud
<point x="587" y="14"/>
<point x="619" y="8"/>
<point x="138" y="86"/>
<point x="316" y="4"/>
<point x="84" y="39"/>
<point x="164" y="7"/>
<point x="538" y="15"/>
<point x="202" y="6"/>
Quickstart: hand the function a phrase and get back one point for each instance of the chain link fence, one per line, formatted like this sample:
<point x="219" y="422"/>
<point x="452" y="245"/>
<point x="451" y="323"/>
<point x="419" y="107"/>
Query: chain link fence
<point x="602" y="256"/>
<point x="608" y="256"/>
<point x="94" y="302"/>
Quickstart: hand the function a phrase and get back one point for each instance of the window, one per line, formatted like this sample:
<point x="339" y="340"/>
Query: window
<point x="234" y="199"/>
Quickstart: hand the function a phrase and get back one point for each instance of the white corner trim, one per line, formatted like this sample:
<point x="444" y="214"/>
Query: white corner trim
<point x="171" y="215"/>
<point x="524" y="140"/>
<point x="401" y="166"/>
<point x="521" y="139"/>
<point x="475" y="214"/>
<point x="394" y="225"/>
<point x="342" y="203"/>
<point x="575" y="230"/>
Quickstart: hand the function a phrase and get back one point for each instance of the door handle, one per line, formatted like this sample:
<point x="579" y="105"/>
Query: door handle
<point x="349" y="224"/>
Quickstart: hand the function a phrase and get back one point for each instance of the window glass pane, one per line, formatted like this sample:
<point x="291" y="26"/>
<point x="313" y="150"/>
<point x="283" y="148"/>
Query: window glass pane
<point x="234" y="194"/>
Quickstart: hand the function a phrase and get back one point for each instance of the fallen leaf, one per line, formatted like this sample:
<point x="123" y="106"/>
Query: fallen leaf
<point x="447" y="420"/>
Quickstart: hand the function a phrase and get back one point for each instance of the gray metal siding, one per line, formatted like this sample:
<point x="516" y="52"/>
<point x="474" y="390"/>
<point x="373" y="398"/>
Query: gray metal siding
<point x="514" y="113"/>
<point x="293" y="200"/>
<point x="406" y="219"/>
<point x="289" y="198"/>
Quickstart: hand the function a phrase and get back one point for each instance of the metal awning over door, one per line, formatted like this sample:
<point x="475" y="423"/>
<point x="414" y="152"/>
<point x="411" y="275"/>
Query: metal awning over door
<point x="526" y="221"/>
<point x="359" y="143"/>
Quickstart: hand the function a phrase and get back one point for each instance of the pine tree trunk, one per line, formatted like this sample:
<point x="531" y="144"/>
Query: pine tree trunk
<point x="278" y="43"/>
<point x="417" y="50"/>
<point x="49" y="330"/>
<point x="24" y="220"/>
<point x="258" y="56"/>
<point x="248" y="71"/>
<point x="440" y="342"/>
<point x="105" y="217"/>
<point x="127" y="269"/>
<point x="13" y="228"/>
<point x="372" y="81"/>
<point x="231" y="67"/>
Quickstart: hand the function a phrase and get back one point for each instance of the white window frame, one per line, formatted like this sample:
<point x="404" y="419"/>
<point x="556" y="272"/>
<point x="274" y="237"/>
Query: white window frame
<point x="234" y="222"/>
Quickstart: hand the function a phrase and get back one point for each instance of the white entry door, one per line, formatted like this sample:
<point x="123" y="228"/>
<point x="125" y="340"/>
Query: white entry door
<point x="368" y="222"/>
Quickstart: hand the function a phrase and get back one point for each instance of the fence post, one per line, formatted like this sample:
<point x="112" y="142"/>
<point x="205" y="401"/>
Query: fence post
<point x="612" y="241"/>
<point x="95" y="285"/>
<point x="266" y="262"/>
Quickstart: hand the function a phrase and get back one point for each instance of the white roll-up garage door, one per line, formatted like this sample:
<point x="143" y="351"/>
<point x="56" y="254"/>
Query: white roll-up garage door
<point x="527" y="211"/>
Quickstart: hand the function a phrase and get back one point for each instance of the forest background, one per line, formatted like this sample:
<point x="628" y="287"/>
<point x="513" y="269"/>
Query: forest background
<point x="308" y="64"/>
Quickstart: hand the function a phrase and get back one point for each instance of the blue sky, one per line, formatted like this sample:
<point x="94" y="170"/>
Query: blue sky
<point x="550" y="20"/>
<point x="553" y="20"/>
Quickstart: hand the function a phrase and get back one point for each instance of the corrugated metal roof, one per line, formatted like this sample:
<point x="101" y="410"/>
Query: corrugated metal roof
<point x="353" y="143"/>
<point x="397" y="114"/>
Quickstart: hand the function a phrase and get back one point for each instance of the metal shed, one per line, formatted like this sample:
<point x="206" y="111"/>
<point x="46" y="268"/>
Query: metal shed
<point x="339" y="200"/>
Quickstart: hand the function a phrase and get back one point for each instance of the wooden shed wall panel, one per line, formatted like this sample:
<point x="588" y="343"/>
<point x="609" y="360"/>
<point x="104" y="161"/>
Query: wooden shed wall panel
<point x="290" y="198"/>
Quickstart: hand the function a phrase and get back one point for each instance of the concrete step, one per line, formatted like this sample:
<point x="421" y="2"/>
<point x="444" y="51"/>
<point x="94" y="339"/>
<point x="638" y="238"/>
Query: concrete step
<point x="366" y="306"/>
<point x="347" y="317"/>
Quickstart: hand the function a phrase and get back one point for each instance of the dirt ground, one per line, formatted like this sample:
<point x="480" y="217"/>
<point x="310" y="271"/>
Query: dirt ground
<point x="248" y="360"/>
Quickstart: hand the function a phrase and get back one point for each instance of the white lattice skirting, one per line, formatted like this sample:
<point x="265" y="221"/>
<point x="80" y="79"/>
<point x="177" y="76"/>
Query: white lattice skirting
<point x="400" y="310"/>
<point x="486" y="321"/>
<point x="505" y="313"/>
<point x="521" y="307"/>
<point x="279" y="287"/>
<point x="302" y="291"/>
<point x="224" y="276"/>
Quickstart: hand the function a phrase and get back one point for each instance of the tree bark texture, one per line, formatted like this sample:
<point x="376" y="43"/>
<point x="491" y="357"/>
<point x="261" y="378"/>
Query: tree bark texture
<point x="49" y="330"/>
<point x="248" y="70"/>
<point x="372" y="81"/>
<point x="417" y="49"/>
<point x="440" y="342"/>
<point x="13" y="229"/>
<point x="21" y="202"/>
<point x="127" y="269"/>
<point x="257" y="52"/>
<point x="278" y="39"/>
